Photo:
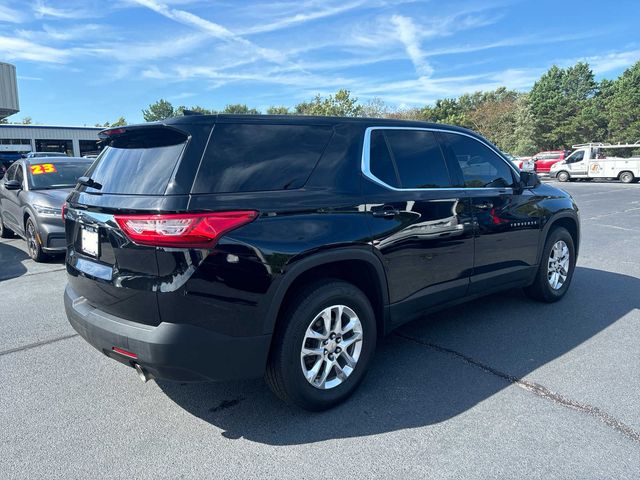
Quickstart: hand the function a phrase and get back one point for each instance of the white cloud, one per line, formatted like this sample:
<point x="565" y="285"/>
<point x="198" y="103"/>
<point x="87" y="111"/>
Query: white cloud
<point x="136" y="53"/>
<point x="410" y="38"/>
<point x="11" y="15"/>
<point x="181" y="96"/>
<point x="211" y="28"/>
<point x="13" y="48"/>
<point x="613" y="61"/>
<point x="67" y="34"/>
<point x="305" y="16"/>
<point x="41" y="9"/>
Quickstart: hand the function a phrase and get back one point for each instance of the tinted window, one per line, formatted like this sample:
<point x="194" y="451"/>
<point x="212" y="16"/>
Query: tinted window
<point x="140" y="162"/>
<point x="418" y="158"/>
<point x="481" y="167"/>
<point x="56" y="175"/>
<point x="247" y="158"/>
<point x="381" y="164"/>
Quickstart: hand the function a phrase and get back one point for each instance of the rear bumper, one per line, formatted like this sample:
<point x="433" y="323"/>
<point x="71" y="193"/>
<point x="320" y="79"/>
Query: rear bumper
<point x="169" y="351"/>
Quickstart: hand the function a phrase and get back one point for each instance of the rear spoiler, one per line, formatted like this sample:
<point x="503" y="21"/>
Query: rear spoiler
<point x="115" y="132"/>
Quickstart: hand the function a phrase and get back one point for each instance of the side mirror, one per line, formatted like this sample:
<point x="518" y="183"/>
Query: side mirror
<point x="529" y="180"/>
<point x="13" y="185"/>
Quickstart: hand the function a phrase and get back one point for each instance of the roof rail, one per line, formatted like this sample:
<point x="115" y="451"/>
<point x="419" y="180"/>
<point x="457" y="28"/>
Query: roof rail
<point x="607" y="145"/>
<point x="592" y="144"/>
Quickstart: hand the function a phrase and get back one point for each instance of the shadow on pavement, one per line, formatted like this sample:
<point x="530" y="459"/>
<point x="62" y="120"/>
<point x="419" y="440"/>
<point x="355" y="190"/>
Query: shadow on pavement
<point x="12" y="258"/>
<point x="411" y="385"/>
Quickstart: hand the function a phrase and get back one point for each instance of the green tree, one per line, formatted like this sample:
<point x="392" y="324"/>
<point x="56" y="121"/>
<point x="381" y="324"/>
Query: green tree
<point x="446" y="110"/>
<point x="179" y="111"/>
<point x="375" y="108"/>
<point x="340" y="105"/>
<point x="278" y="110"/>
<point x="492" y="114"/>
<point x="522" y="142"/>
<point x="160" y="110"/>
<point x="121" y="122"/>
<point x="240" y="108"/>
<point x="407" y="114"/>
<point x="623" y="106"/>
<point x="563" y="104"/>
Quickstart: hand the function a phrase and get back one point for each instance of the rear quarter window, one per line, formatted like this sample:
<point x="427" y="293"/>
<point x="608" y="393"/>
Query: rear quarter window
<point x="247" y="157"/>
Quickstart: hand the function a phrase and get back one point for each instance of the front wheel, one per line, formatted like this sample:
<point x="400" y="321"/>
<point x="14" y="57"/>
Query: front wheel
<point x="556" y="268"/>
<point x="33" y="242"/>
<point x="323" y="346"/>
<point x="563" y="176"/>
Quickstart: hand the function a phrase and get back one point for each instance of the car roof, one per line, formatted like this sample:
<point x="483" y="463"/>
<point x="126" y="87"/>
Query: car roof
<point x="37" y="160"/>
<point x="300" y="120"/>
<point x="293" y="120"/>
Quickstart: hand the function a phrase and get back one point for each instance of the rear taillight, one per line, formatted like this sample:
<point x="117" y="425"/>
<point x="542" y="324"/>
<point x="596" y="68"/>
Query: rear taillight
<point x="64" y="210"/>
<point x="199" y="230"/>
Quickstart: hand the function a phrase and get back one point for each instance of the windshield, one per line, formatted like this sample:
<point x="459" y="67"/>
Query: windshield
<point x="56" y="174"/>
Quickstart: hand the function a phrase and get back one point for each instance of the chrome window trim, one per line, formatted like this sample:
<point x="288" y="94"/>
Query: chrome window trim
<point x="365" y="165"/>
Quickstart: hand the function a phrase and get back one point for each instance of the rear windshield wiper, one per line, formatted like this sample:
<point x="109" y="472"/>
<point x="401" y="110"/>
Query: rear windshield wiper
<point x="89" y="182"/>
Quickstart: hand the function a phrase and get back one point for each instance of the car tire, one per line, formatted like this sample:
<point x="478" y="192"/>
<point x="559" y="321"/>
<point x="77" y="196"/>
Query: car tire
<point x="293" y="374"/>
<point x="563" y="176"/>
<point x="555" y="271"/>
<point x="626" y="177"/>
<point x="4" y="231"/>
<point x="34" y="248"/>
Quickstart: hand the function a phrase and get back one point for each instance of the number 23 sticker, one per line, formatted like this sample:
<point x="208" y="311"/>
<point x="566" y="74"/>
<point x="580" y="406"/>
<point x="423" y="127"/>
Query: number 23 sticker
<point x="43" y="168"/>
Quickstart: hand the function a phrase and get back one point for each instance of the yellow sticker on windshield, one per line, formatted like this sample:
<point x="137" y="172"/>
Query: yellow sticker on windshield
<point x="43" y="168"/>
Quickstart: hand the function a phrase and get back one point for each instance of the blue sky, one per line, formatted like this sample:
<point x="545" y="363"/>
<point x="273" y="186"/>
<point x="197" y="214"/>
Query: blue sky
<point x="82" y="62"/>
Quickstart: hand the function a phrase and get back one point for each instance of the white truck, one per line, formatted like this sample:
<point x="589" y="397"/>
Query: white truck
<point x="600" y="160"/>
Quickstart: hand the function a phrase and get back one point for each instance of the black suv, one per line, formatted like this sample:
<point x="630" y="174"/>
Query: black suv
<point x="228" y="247"/>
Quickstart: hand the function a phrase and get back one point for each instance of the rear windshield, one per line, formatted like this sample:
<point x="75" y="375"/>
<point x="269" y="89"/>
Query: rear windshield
<point x="247" y="158"/>
<point x="138" y="163"/>
<point x="50" y="175"/>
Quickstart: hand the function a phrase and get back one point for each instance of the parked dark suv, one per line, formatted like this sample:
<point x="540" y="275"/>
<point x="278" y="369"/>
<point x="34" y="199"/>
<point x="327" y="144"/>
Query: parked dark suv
<point x="228" y="247"/>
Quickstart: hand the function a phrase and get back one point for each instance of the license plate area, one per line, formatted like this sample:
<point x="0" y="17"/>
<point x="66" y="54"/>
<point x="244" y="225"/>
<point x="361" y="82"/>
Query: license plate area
<point x="89" y="243"/>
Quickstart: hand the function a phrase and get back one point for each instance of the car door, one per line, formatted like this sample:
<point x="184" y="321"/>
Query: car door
<point x="10" y="199"/>
<point x="577" y="163"/>
<point x="420" y="221"/>
<point x="507" y="219"/>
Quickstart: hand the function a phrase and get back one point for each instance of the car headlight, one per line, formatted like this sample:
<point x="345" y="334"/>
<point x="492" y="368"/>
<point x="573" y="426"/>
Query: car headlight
<point x="47" y="211"/>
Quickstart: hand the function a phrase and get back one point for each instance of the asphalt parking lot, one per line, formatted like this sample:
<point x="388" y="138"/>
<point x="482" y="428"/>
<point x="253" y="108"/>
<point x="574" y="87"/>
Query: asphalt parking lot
<point x="500" y="387"/>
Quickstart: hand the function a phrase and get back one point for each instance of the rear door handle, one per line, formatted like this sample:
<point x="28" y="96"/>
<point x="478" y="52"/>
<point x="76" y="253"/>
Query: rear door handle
<point x="484" y="205"/>
<point x="385" y="212"/>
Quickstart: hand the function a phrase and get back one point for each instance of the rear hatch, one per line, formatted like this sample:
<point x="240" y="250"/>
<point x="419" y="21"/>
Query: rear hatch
<point x="142" y="171"/>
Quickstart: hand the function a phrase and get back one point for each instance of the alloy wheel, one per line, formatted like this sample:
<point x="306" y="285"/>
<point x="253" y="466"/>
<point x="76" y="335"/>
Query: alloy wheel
<point x="32" y="242"/>
<point x="558" y="265"/>
<point x="331" y="347"/>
